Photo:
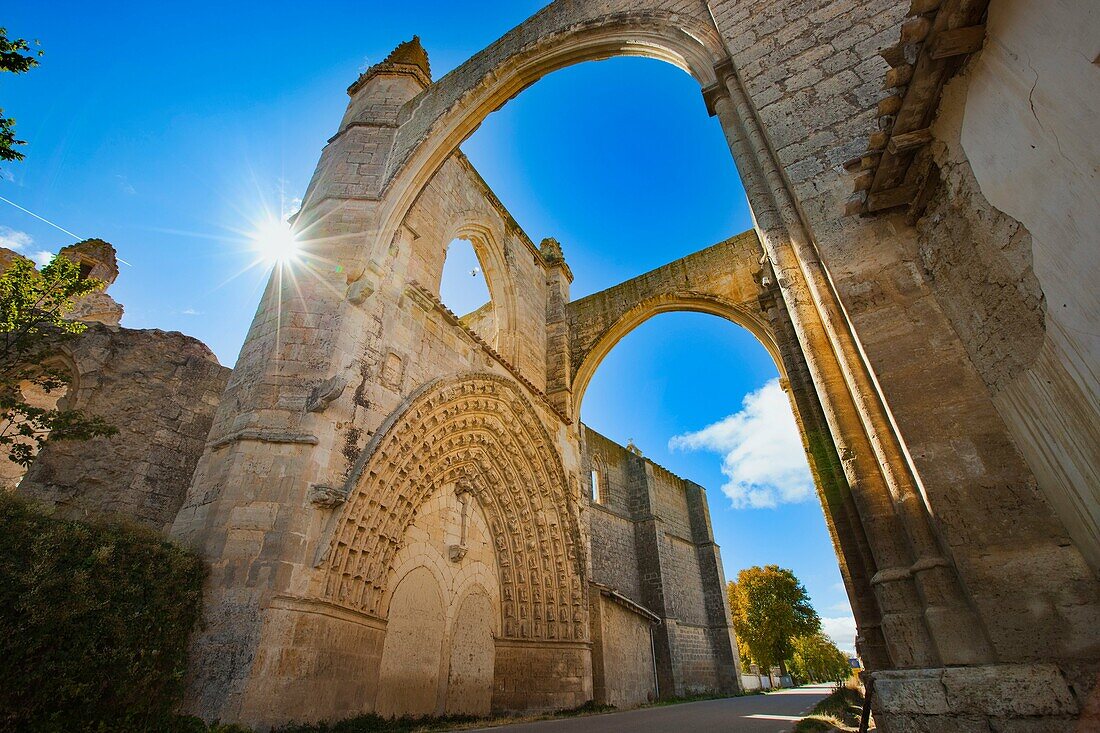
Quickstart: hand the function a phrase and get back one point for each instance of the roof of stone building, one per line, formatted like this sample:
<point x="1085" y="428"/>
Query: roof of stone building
<point x="410" y="52"/>
<point x="408" y="58"/>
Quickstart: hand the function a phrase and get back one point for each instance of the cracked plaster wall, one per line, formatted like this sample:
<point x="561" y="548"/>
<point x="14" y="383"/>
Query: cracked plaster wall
<point x="1017" y="269"/>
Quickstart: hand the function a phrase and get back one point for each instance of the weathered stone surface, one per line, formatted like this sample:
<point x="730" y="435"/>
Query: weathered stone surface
<point x="97" y="261"/>
<point x="652" y="542"/>
<point x="941" y="376"/>
<point x="995" y="697"/>
<point x="159" y="390"/>
<point x="918" y="692"/>
<point x="622" y="652"/>
<point x="1035" y="690"/>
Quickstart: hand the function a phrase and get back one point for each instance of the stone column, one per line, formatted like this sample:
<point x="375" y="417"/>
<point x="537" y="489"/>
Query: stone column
<point x="649" y="532"/>
<point x="559" y="386"/>
<point x="857" y="563"/>
<point x="913" y="572"/>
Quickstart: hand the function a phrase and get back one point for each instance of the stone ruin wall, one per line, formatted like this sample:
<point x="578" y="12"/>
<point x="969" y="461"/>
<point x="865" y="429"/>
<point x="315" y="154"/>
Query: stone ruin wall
<point x="995" y="436"/>
<point x="413" y="348"/>
<point x="814" y="76"/>
<point x="457" y="203"/>
<point x="161" y="390"/>
<point x="1028" y="311"/>
<point x="652" y="542"/>
<point x="158" y="389"/>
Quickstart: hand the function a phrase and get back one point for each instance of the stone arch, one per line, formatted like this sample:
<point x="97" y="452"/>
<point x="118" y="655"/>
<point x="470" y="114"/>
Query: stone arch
<point x="694" y="302"/>
<point x="905" y="557"/>
<point x="728" y="280"/>
<point x="489" y="248"/>
<point x="481" y="430"/>
<point x="561" y="35"/>
<point x="408" y="678"/>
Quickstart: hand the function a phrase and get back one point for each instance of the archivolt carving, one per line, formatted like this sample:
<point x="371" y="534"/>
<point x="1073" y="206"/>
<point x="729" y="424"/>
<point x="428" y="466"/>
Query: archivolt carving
<point x="480" y="432"/>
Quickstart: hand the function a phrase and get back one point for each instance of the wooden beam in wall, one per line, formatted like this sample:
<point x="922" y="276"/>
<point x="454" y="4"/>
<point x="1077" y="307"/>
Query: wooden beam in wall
<point x="935" y="40"/>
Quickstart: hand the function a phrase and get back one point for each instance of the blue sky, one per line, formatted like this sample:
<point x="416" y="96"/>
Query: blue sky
<point x="170" y="132"/>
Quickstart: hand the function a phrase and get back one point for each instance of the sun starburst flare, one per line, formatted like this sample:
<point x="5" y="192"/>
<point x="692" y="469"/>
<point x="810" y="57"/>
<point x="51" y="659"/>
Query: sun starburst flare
<point x="275" y="243"/>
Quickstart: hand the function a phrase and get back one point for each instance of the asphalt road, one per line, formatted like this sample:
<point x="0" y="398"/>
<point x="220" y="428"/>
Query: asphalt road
<point x="771" y="713"/>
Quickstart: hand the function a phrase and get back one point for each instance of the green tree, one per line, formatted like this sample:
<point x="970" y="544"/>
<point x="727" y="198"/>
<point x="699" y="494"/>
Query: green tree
<point x="735" y="605"/>
<point x="769" y="607"/>
<point x="14" y="59"/>
<point x="815" y="658"/>
<point x="33" y="305"/>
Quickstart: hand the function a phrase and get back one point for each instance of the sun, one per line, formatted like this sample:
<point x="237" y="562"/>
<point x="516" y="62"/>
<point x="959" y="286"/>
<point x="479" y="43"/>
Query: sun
<point x="275" y="243"/>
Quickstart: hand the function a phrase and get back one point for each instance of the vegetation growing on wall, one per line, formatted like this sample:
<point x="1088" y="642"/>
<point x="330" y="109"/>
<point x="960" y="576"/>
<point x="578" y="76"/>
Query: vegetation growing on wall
<point x="94" y="624"/>
<point x="33" y="305"/>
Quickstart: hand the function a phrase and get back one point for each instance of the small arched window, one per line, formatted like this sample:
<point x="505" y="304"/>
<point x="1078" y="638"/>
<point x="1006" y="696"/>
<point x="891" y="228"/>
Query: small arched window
<point x="597" y="487"/>
<point x="464" y="289"/>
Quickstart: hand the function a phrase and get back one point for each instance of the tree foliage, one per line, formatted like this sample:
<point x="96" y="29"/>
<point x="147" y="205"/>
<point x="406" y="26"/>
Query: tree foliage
<point x="15" y="58"/>
<point x="815" y="658"/>
<point x="94" y="624"/>
<point x="33" y="305"/>
<point x="769" y="607"/>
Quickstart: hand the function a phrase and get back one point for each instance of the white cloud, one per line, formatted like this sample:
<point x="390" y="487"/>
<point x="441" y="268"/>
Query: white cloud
<point x="762" y="452"/>
<point x="7" y="176"/>
<point x="842" y="630"/>
<point x="191" y="312"/>
<point x="14" y="239"/>
<point x="42" y="257"/>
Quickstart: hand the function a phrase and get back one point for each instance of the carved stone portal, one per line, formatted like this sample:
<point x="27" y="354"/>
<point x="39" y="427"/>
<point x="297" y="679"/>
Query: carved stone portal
<point x="481" y="426"/>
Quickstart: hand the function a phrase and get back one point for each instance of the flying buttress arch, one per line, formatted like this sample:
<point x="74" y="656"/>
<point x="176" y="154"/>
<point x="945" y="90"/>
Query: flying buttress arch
<point x="591" y="356"/>
<point x="439" y="120"/>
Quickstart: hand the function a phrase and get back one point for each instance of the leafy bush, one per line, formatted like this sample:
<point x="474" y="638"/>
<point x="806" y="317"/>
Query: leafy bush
<point x="94" y="624"/>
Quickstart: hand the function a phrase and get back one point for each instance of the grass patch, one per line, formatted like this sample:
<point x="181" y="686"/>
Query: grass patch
<point x="377" y="724"/>
<point x="840" y="711"/>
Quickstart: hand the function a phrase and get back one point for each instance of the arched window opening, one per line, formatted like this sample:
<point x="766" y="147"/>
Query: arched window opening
<point x="597" y="488"/>
<point x="465" y="291"/>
